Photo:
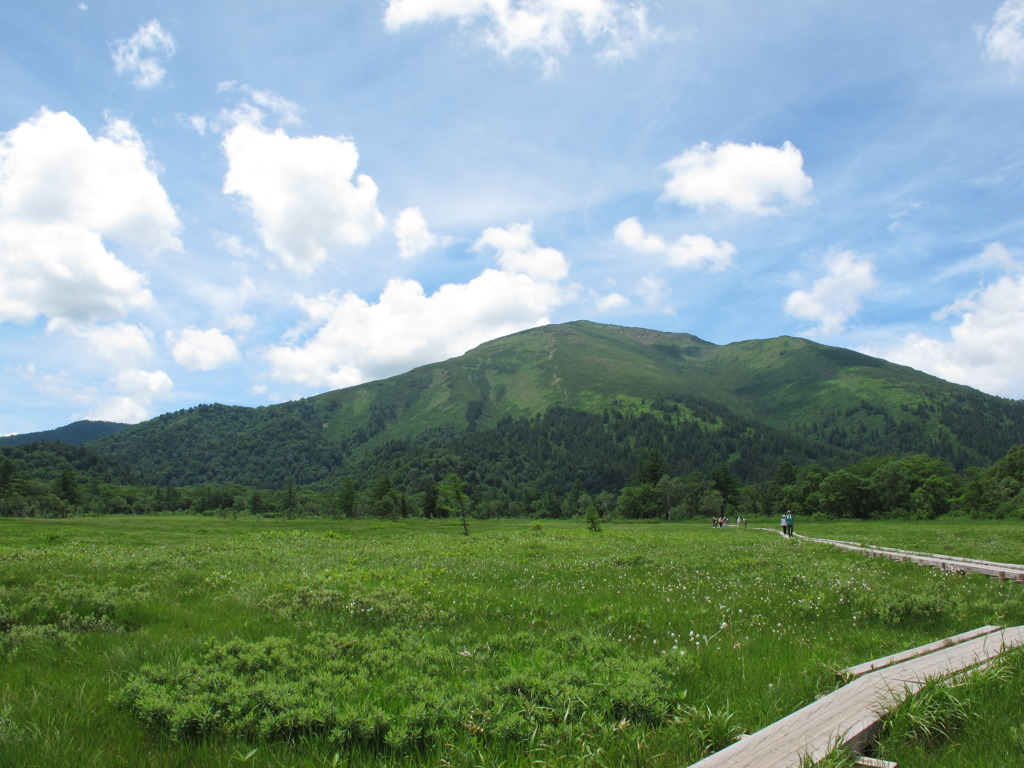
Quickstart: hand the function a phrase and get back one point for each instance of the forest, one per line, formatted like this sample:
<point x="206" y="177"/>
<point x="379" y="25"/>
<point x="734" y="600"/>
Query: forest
<point x="56" y="480"/>
<point x="563" y="421"/>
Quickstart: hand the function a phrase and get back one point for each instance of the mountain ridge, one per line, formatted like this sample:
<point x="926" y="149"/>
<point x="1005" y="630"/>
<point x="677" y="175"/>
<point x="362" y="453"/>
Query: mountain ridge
<point x="76" y="433"/>
<point x="629" y="388"/>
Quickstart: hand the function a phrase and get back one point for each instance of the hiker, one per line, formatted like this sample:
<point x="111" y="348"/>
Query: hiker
<point x="789" y="524"/>
<point x="782" y="523"/>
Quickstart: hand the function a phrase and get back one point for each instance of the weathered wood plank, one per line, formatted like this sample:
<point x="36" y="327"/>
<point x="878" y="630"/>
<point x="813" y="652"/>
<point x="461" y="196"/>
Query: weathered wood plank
<point x="896" y="658"/>
<point x="849" y="716"/>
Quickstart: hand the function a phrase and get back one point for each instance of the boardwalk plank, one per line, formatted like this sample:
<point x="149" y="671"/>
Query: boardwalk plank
<point x="888" y="661"/>
<point x="849" y="716"/>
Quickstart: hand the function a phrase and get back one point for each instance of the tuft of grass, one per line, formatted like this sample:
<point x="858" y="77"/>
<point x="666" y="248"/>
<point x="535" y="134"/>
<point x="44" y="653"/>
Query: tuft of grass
<point x="712" y="729"/>
<point x="930" y="716"/>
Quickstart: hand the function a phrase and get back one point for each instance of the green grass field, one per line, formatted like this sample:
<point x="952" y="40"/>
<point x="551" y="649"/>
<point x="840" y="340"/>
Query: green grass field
<point x="161" y="641"/>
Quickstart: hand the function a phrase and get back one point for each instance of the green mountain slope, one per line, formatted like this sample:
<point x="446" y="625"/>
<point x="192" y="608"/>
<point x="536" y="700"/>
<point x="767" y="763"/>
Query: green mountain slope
<point x="78" y="433"/>
<point x="576" y="403"/>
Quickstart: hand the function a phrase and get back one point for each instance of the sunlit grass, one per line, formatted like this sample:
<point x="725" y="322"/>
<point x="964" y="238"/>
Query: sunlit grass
<point x="518" y="645"/>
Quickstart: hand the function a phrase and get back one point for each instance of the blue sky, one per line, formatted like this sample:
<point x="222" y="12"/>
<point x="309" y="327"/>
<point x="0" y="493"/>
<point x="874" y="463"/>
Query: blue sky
<point x="248" y="201"/>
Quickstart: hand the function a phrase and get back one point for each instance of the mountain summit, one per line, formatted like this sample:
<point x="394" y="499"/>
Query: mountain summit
<point x="576" y="402"/>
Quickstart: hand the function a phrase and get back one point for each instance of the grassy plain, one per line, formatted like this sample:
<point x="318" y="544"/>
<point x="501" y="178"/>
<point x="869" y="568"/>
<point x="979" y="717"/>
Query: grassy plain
<point x="187" y="641"/>
<point x="997" y="540"/>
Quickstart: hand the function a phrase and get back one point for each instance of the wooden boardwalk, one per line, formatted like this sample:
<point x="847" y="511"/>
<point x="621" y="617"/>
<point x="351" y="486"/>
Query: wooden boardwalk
<point x="849" y="716"/>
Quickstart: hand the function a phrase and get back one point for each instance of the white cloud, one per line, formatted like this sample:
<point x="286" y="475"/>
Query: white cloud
<point x="301" y="192"/>
<point x="994" y="256"/>
<point x="747" y="178"/>
<point x="545" y="28"/>
<point x="199" y="350"/>
<point x="983" y="348"/>
<point x="1004" y="39"/>
<point x="356" y="341"/>
<point x="143" y="54"/>
<point x="256" y="103"/>
<point x="413" y="235"/>
<point x="53" y="171"/>
<point x="62" y="271"/>
<point x="836" y="297"/>
<point x="121" y="345"/>
<point x="612" y="301"/>
<point x="62" y="193"/>
<point x="137" y="390"/>
<point x="517" y="252"/>
<point x="689" y="251"/>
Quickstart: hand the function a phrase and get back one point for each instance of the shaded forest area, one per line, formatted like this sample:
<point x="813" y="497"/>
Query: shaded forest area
<point x="58" y="480"/>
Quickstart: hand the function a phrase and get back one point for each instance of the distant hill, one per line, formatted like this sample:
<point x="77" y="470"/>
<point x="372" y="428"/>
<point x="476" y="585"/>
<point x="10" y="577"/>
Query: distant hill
<point x="78" y="433"/>
<point x="577" y="403"/>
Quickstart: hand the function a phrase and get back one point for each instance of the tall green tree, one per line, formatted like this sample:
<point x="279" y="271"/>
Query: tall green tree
<point x="291" y="502"/>
<point x="725" y="482"/>
<point x="638" y="502"/>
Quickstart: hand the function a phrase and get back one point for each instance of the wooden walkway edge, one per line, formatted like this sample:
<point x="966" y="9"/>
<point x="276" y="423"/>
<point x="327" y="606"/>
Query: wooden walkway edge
<point x="1001" y="571"/>
<point x="850" y="715"/>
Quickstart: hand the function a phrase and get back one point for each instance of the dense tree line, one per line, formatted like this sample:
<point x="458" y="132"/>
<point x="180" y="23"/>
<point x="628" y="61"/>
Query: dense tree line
<point x="53" y="480"/>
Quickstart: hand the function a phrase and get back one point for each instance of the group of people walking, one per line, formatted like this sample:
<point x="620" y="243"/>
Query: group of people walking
<point x="721" y="522"/>
<point x="786" y="522"/>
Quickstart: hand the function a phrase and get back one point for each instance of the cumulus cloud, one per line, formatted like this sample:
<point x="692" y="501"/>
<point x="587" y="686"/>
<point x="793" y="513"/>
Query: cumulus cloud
<point x="545" y="28"/>
<point x="135" y="393"/>
<point x="199" y="350"/>
<point x="689" y="251"/>
<point x="143" y="55"/>
<point x="1004" y="38"/>
<point x="303" y="192"/>
<point x="749" y="178"/>
<point x="413" y="235"/>
<point x="357" y="341"/>
<point x="518" y="253"/>
<point x="982" y="349"/>
<point x="611" y="302"/>
<point x="836" y="297"/>
<point x="63" y="271"/>
<point x="62" y="195"/>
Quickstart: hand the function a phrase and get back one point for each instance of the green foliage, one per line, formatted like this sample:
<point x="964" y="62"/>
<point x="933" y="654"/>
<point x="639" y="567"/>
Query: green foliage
<point x="713" y="730"/>
<point x="78" y="433"/>
<point x="519" y="687"/>
<point x="402" y="643"/>
<point x="931" y="715"/>
<point x="55" y="612"/>
<point x="972" y="720"/>
<point x="581" y="402"/>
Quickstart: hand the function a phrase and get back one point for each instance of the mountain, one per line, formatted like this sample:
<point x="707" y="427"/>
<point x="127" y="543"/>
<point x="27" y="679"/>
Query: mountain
<point x="78" y="433"/>
<point x="578" y="403"/>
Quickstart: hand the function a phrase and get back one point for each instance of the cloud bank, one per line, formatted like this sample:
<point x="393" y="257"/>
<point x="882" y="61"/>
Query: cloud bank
<point x="356" y="341"/>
